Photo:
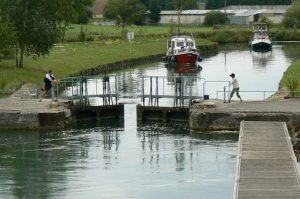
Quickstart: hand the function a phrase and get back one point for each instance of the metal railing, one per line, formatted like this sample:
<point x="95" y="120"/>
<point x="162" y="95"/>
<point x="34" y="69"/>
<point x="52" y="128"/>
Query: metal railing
<point x="173" y="89"/>
<point x="178" y="88"/>
<point x="226" y="93"/>
<point x="85" y="87"/>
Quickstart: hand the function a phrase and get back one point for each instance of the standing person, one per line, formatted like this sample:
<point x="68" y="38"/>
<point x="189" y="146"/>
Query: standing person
<point x="48" y="79"/>
<point x="235" y="87"/>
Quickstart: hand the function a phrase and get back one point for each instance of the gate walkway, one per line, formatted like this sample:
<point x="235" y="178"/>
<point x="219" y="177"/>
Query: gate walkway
<point x="266" y="165"/>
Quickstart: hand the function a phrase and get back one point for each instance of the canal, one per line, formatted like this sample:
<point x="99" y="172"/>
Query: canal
<point x="112" y="159"/>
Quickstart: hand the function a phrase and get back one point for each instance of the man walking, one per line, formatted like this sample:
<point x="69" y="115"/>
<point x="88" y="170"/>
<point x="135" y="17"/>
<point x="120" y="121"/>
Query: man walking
<point x="235" y="87"/>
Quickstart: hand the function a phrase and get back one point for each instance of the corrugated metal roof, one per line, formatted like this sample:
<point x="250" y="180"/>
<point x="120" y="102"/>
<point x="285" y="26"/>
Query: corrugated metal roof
<point x="242" y="12"/>
<point x="193" y="12"/>
<point x="247" y="13"/>
<point x="185" y="12"/>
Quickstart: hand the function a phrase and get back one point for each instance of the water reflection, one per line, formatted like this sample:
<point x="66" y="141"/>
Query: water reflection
<point x="183" y="69"/>
<point x="149" y="162"/>
<point x="290" y="49"/>
<point x="30" y="166"/>
<point x="261" y="59"/>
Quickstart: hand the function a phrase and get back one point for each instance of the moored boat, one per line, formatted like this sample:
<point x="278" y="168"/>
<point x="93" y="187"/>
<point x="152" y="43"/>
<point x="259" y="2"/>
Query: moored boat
<point x="182" y="49"/>
<point x="261" y="39"/>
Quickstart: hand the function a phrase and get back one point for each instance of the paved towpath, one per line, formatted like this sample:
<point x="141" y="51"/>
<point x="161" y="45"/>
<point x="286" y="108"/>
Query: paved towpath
<point x="25" y="100"/>
<point x="283" y="105"/>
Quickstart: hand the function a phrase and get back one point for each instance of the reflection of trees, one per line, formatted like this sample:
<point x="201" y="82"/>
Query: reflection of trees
<point x="128" y="83"/>
<point x="291" y="50"/>
<point x="32" y="172"/>
<point x="36" y="165"/>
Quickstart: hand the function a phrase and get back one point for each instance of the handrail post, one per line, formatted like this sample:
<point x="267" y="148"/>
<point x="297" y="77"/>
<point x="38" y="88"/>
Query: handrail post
<point x="117" y="89"/>
<point x="150" y="99"/>
<point x="143" y="91"/>
<point x="156" y="91"/>
<point x="224" y="89"/>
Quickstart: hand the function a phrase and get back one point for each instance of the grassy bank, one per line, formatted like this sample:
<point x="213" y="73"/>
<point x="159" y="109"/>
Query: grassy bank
<point x="96" y="32"/>
<point x="69" y="58"/>
<point x="291" y="78"/>
<point x="220" y="34"/>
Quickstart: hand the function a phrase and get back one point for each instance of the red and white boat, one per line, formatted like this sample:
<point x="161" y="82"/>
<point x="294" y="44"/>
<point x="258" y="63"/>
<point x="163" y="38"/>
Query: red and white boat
<point x="182" y="49"/>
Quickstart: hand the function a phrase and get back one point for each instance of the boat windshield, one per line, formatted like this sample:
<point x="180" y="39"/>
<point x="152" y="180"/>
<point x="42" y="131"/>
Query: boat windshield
<point x="180" y="44"/>
<point x="190" y="44"/>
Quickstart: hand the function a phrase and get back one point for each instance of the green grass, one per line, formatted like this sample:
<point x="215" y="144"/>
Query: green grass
<point x="116" y="30"/>
<point x="69" y="58"/>
<point x="292" y="75"/>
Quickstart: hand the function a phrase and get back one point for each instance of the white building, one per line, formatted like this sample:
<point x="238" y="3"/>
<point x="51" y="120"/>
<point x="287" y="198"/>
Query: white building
<point x="242" y="15"/>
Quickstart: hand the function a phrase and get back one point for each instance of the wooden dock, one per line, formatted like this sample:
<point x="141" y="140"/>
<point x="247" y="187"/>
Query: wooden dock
<point x="266" y="165"/>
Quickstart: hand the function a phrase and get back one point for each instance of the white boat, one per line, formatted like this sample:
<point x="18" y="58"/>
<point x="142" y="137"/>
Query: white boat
<point x="261" y="39"/>
<point x="182" y="49"/>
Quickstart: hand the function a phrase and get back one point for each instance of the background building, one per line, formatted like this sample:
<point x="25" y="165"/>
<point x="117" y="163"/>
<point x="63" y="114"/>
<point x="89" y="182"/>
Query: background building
<point x="241" y="15"/>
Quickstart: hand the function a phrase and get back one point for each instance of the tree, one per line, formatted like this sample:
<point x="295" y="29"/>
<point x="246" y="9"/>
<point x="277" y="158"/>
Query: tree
<point x="83" y="11"/>
<point x="291" y="18"/>
<point x="179" y="6"/>
<point x="215" y="17"/>
<point x="155" y="10"/>
<point x="38" y="23"/>
<point x="7" y="35"/>
<point x="124" y="12"/>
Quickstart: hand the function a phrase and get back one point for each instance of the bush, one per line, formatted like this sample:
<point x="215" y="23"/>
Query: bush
<point x="215" y="17"/>
<point x="292" y="83"/>
<point x="292" y="16"/>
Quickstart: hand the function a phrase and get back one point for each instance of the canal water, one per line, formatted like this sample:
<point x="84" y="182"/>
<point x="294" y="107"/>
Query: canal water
<point x="126" y="160"/>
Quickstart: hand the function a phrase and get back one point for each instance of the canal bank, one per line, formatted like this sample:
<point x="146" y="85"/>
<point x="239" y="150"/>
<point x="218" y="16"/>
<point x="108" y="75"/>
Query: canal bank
<point x="23" y="110"/>
<point x="228" y="116"/>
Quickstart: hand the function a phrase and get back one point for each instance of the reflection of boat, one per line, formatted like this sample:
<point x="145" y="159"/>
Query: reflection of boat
<point x="261" y="39"/>
<point x="260" y="59"/>
<point x="182" y="49"/>
<point x="186" y="69"/>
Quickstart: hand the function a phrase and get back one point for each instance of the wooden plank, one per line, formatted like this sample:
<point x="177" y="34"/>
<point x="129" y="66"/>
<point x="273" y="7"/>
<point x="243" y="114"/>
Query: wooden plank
<point x="266" y="165"/>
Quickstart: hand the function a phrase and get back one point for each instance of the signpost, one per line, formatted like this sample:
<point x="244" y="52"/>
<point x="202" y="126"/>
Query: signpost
<point x="130" y="36"/>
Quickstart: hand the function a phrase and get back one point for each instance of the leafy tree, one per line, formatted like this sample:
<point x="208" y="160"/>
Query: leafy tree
<point x="7" y="35"/>
<point x="179" y="6"/>
<point x="155" y="10"/>
<point x="38" y="23"/>
<point x="291" y="18"/>
<point x="215" y="17"/>
<point x="83" y="11"/>
<point x="124" y="12"/>
<point x="267" y="21"/>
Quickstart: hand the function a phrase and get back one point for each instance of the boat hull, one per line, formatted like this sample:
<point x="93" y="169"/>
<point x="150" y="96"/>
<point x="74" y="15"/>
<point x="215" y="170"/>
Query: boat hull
<point x="187" y="58"/>
<point x="261" y="45"/>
